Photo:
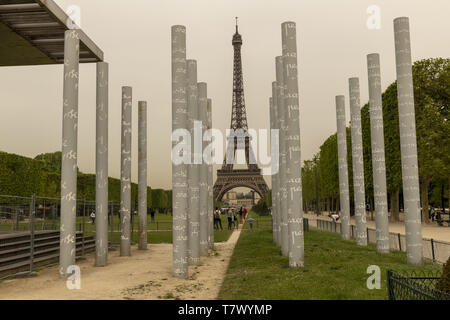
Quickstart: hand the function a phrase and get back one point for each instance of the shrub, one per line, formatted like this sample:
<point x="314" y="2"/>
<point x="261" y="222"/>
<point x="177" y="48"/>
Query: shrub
<point x="444" y="283"/>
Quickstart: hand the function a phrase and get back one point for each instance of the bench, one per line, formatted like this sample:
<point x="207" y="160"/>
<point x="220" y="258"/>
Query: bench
<point x="442" y="219"/>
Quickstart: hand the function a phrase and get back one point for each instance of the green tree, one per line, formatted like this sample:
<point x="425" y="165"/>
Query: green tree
<point x="328" y="168"/>
<point x="432" y="99"/>
<point x="308" y="184"/>
<point x="392" y="147"/>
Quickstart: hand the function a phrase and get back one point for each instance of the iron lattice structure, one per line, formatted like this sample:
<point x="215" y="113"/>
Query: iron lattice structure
<point x="229" y="178"/>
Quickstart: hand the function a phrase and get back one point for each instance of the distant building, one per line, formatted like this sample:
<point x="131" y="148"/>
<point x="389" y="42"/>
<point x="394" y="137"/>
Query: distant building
<point x="231" y="198"/>
<point x="245" y="200"/>
<point x="246" y="203"/>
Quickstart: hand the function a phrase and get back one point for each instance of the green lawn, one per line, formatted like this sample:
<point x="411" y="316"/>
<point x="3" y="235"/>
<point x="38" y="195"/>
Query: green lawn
<point x="160" y="230"/>
<point x="162" y="222"/>
<point x="334" y="269"/>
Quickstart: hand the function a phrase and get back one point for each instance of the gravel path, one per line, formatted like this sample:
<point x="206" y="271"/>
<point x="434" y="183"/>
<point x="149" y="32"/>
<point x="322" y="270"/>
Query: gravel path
<point x="431" y="230"/>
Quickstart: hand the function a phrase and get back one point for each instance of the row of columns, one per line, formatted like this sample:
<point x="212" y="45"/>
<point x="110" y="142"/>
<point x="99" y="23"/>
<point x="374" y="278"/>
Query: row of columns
<point x="287" y="209"/>
<point x="408" y="143"/>
<point x="69" y="163"/>
<point x="192" y="182"/>
<point x="284" y="115"/>
<point x="125" y="173"/>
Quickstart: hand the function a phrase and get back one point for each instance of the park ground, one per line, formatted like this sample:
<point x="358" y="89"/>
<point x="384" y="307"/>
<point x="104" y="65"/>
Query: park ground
<point x="245" y="265"/>
<point x="147" y="274"/>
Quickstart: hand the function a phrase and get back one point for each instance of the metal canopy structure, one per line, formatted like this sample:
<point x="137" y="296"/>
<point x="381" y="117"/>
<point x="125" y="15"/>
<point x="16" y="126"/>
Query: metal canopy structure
<point x="32" y="33"/>
<point x="39" y="32"/>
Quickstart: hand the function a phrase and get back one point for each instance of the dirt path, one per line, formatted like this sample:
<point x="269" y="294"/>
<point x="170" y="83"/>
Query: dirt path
<point x="431" y="230"/>
<point x="144" y="275"/>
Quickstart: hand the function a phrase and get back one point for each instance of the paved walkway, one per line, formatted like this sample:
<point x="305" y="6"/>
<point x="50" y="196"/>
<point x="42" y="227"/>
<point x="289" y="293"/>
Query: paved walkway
<point x="430" y="231"/>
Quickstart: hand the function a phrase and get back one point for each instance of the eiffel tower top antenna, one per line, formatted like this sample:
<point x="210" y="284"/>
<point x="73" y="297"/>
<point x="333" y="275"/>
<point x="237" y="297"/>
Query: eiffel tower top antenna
<point x="236" y="25"/>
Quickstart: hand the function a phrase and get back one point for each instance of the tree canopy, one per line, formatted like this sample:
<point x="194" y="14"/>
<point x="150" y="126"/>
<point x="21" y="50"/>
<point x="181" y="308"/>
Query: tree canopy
<point x="431" y="79"/>
<point x="22" y="176"/>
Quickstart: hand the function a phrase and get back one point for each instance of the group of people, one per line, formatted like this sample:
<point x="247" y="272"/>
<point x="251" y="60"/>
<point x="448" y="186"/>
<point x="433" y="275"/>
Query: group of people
<point x="233" y="221"/>
<point x="152" y="214"/>
<point x="435" y="214"/>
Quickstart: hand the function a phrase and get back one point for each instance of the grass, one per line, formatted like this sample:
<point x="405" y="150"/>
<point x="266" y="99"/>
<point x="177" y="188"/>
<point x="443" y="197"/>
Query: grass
<point x="334" y="269"/>
<point x="162" y="222"/>
<point x="160" y="231"/>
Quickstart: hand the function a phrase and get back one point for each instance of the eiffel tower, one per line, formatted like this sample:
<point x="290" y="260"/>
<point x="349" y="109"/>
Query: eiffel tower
<point x="229" y="178"/>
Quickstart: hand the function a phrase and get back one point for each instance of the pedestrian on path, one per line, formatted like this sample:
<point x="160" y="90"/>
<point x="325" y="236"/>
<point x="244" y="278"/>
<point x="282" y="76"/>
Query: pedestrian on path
<point x="241" y="212"/>
<point x="217" y="219"/>
<point x="230" y="218"/>
<point x="432" y="213"/>
<point x="250" y="222"/>
<point x="92" y="215"/>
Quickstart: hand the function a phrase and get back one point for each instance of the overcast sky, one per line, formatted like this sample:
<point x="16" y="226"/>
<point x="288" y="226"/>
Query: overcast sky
<point x="333" y="41"/>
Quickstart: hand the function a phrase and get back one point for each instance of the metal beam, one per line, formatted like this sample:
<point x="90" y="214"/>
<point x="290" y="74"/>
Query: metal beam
<point x="26" y="30"/>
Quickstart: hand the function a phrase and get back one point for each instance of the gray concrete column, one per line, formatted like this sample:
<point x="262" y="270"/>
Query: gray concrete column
<point x="69" y="152"/>
<point x="101" y="167"/>
<point x="378" y="158"/>
<point x="193" y="169"/>
<point x="343" y="167"/>
<point x="293" y="154"/>
<point x="275" y="183"/>
<point x="203" y="168"/>
<point x="210" y="184"/>
<point x="125" y="173"/>
<point x="142" y="175"/>
<point x="358" y="163"/>
<point x="273" y="176"/>
<point x="179" y="171"/>
<point x="283" y="226"/>
<point x="408" y="141"/>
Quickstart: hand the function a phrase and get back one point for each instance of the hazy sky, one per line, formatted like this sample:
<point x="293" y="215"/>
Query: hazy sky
<point x="333" y="41"/>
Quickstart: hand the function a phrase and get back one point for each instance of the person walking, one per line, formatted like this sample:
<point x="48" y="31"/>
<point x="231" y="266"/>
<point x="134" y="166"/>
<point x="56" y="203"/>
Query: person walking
<point x="432" y="213"/>
<point x="438" y="217"/>
<point x="152" y="214"/>
<point x="217" y="219"/>
<point x="230" y="218"/>
<point x="92" y="215"/>
<point x="235" y="221"/>
<point x="241" y="212"/>
<point x="250" y="222"/>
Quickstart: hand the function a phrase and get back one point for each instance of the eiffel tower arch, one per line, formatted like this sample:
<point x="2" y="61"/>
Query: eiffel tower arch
<point x="229" y="178"/>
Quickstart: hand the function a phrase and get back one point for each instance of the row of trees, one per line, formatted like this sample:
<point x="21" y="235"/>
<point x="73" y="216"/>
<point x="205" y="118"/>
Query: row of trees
<point x="432" y="108"/>
<point x="22" y="176"/>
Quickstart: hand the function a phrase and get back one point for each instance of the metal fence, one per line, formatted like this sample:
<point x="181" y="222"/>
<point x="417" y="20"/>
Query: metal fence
<point x="435" y="250"/>
<point x="15" y="215"/>
<point x="29" y="231"/>
<point x="414" y="286"/>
